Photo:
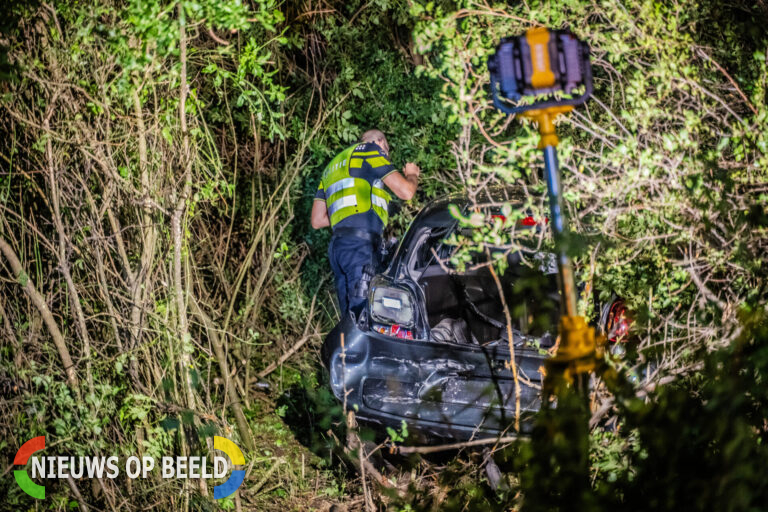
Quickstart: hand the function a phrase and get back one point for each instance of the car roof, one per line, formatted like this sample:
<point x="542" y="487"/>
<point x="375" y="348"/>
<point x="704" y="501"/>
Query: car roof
<point x="437" y="214"/>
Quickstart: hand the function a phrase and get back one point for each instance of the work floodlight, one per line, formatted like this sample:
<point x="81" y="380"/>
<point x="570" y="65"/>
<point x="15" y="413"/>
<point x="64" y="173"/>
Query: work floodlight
<point x="542" y="64"/>
<point x="546" y="73"/>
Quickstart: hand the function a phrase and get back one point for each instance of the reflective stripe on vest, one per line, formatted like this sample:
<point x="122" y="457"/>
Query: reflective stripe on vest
<point x="380" y="201"/>
<point x="339" y="185"/>
<point x="342" y="202"/>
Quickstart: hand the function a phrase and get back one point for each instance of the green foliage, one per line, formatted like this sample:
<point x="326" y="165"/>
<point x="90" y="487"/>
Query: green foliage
<point x="610" y="454"/>
<point x="371" y="69"/>
<point x="655" y="148"/>
<point x="398" y="436"/>
<point x="554" y="466"/>
<point x="718" y="422"/>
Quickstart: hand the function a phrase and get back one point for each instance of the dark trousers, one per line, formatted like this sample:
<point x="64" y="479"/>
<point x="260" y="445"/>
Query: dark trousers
<point x="348" y="255"/>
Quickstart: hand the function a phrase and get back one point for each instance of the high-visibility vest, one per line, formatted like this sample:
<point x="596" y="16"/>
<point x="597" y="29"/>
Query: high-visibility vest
<point x="346" y="195"/>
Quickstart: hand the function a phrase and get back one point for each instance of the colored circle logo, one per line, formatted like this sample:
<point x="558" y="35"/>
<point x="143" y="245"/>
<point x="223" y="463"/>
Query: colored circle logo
<point x="235" y="480"/>
<point x="22" y="477"/>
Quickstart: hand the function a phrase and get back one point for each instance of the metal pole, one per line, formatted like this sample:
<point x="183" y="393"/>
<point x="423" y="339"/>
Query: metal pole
<point x="558" y="224"/>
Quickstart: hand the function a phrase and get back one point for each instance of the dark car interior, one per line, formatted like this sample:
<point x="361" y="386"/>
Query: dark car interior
<point x="467" y="304"/>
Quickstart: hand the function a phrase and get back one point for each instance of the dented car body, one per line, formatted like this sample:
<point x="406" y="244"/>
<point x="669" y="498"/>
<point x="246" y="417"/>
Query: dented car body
<point x="432" y="347"/>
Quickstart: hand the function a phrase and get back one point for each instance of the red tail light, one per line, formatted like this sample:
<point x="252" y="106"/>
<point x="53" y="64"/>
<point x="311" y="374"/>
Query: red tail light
<point x="525" y="221"/>
<point x="618" y="323"/>
<point x="530" y="221"/>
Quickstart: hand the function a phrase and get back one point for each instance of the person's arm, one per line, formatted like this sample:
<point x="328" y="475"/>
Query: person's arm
<point x="319" y="218"/>
<point x="404" y="185"/>
<point x="320" y="215"/>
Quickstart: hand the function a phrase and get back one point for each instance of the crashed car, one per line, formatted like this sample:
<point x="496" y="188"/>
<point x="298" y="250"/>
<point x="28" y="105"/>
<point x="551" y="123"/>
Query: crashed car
<point x="432" y="347"/>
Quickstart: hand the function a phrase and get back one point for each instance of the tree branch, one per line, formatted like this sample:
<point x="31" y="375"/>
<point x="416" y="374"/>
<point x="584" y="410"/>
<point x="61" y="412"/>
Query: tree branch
<point x="26" y="282"/>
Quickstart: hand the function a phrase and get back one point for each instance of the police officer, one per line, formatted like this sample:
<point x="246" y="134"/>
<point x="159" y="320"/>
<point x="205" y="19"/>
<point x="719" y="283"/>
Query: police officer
<point x="351" y="199"/>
